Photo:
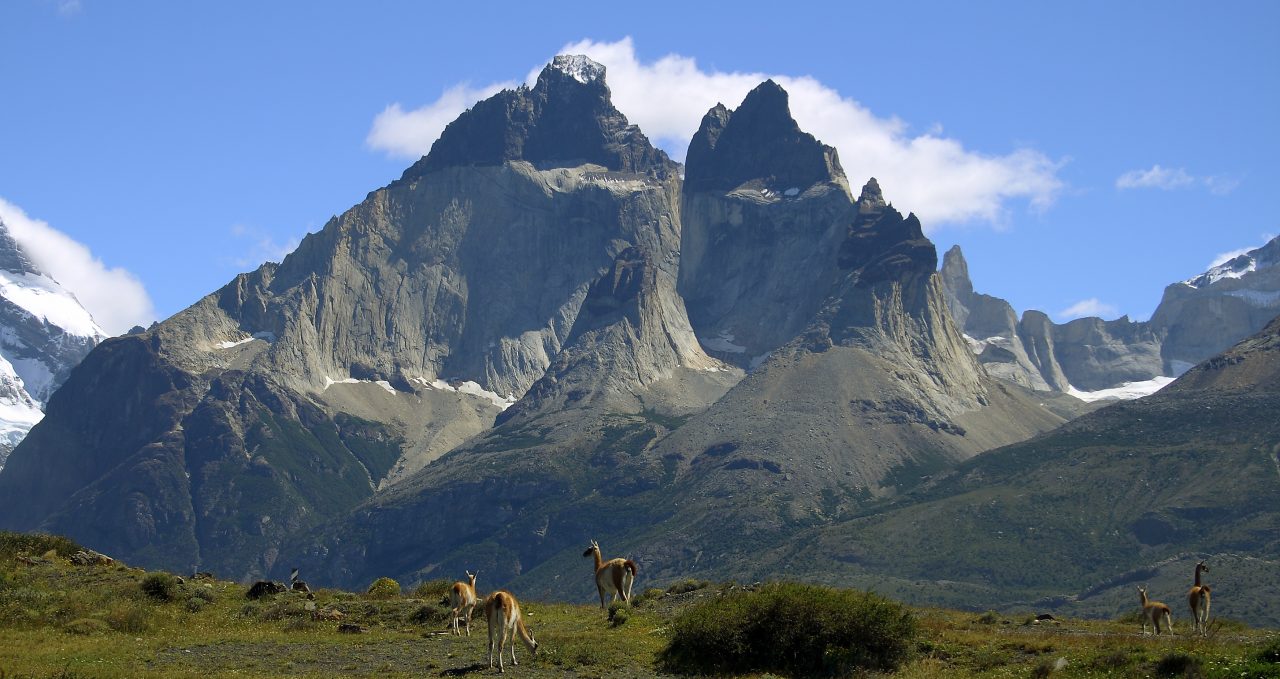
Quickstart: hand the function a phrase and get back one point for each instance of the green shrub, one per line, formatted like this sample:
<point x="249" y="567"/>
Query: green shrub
<point x="130" y="617"/>
<point x="687" y="586"/>
<point x="1179" y="665"/>
<point x="159" y="586"/>
<point x="1270" y="652"/>
<point x="205" y="594"/>
<point x="433" y="590"/>
<point x="431" y="614"/>
<point x="792" y="629"/>
<point x="619" y="613"/>
<point x="384" y="588"/>
<point x="989" y="618"/>
<point x="651" y="594"/>
<point x="195" y="604"/>
<point x="86" y="626"/>
<point x="35" y="544"/>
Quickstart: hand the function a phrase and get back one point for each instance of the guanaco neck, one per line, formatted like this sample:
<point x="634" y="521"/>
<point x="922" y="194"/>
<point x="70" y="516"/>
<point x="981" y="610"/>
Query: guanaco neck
<point x="595" y="553"/>
<point x="1199" y="567"/>
<point x="1144" y="598"/>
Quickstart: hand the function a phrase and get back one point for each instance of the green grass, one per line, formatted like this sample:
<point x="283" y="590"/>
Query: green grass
<point x="62" y="620"/>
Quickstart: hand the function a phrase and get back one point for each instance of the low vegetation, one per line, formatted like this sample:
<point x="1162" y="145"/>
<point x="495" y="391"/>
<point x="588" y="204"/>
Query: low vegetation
<point x="68" y="621"/>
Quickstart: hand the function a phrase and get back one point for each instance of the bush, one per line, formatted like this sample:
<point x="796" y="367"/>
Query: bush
<point x="687" y="586"/>
<point x="1179" y="665"/>
<point x="432" y="614"/>
<point x="13" y="544"/>
<point x="651" y="594"/>
<point x="433" y="590"/>
<point x="792" y="629"/>
<point x="159" y="586"/>
<point x="131" y="617"/>
<point x="384" y="588"/>
<point x="1270" y="652"/>
<point x="204" y="594"/>
<point x="195" y="604"/>
<point x="989" y="618"/>
<point x="619" y="613"/>
<point x="86" y="626"/>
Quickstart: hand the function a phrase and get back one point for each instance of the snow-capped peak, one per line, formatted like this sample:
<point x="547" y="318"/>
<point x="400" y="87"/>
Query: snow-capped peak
<point x="578" y="67"/>
<point x="1237" y="267"/>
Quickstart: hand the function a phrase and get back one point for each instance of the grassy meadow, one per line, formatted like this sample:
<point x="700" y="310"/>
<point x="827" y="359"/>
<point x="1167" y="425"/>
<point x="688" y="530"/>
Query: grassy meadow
<point x="63" y="620"/>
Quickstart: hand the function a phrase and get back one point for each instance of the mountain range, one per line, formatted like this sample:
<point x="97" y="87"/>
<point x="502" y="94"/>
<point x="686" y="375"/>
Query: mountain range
<point x="547" y="331"/>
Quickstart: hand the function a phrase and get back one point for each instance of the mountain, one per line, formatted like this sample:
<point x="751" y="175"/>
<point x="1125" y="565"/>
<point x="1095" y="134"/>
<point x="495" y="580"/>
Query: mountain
<point x="859" y="382"/>
<point x="44" y="333"/>
<point x="1071" y="520"/>
<point x="540" y="220"/>
<point x="1094" y="359"/>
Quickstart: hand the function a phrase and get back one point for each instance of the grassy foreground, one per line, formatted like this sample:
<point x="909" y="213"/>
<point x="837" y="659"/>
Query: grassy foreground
<point x="63" y="620"/>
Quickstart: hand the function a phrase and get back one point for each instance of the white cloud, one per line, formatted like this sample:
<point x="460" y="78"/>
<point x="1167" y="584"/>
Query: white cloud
<point x="411" y="133"/>
<point x="69" y="7"/>
<point x="1088" y="307"/>
<point x="1225" y="257"/>
<point x="932" y="175"/>
<point x="1170" y="179"/>
<point x="263" y="247"/>
<point x="114" y="296"/>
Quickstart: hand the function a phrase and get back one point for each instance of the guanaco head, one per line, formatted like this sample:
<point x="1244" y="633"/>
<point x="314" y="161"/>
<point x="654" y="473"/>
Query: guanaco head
<point x="1142" y="593"/>
<point x="471" y="578"/>
<point x="593" y="548"/>
<point x="533" y="644"/>
<point x="1202" y="567"/>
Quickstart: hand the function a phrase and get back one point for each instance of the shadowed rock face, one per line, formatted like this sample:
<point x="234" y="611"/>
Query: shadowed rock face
<point x="466" y="275"/>
<point x="860" y="384"/>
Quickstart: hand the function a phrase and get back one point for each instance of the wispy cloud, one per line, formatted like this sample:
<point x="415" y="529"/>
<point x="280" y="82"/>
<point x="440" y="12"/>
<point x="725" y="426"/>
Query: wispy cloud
<point x="932" y="175"/>
<point x="1172" y="179"/>
<point x="68" y="8"/>
<point x="1225" y="257"/>
<point x="262" y="246"/>
<point x="115" y="297"/>
<point x="1088" y="307"/>
<point x="411" y="133"/>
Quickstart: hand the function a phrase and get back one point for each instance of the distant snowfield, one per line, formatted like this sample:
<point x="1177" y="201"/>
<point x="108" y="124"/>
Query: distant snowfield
<point x="468" y="387"/>
<point x="1124" y="392"/>
<point x="46" y="300"/>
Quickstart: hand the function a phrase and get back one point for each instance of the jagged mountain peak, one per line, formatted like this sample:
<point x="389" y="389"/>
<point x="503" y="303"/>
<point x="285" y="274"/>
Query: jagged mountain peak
<point x="577" y="66"/>
<point x="758" y="141"/>
<point x="1257" y="259"/>
<point x="566" y="119"/>
<point x="871" y="199"/>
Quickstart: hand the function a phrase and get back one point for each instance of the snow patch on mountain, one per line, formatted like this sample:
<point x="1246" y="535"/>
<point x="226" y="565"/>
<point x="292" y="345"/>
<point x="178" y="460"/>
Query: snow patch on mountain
<point x="47" y="301"/>
<point x="1125" y="392"/>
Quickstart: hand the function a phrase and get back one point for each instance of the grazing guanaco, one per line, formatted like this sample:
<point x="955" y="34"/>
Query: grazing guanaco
<point x="1198" y="597"/>
<point x="614" y="576"/>
<point x="503" y="613"/>
<point x="463" y="596"/>
<point x="1155" y="612"/>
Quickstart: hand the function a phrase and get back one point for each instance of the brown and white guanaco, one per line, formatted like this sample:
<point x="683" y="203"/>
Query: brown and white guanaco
<point x="462" y="596"/>
<point x="1155" y="612"/>
<point x="1198" y="597"/>
<point x="503" y="613"/>
<point x="614" y="576"/>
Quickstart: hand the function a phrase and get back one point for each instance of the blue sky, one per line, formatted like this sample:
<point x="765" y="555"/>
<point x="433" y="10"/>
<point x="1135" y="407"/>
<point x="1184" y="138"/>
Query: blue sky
<point x="182" y="143"/>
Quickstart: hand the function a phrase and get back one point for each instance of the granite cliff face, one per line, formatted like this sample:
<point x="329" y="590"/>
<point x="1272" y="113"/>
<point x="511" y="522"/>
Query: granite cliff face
<point x="861" y="383"/>
<point x="398" y="331"/>
<point x="1092" y="358"/>
<point x="44" y="333"/>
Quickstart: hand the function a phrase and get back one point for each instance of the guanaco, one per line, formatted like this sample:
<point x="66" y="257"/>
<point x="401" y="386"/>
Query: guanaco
<point x="1155" y="612"/>
<point x="1198" y="597"/>
<point x="462" y="596"/>
<point x="503" y="613"/>
<point x="614" y="576"/>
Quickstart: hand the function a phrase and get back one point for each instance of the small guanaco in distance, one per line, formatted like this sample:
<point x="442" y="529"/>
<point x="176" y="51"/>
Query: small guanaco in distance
<point x="1155" y="612"/>
<point x="614" y="576"/>
<point x="503" y="613"/>
<point x="1198" y="597"/>
<point x="462" y="596"/>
